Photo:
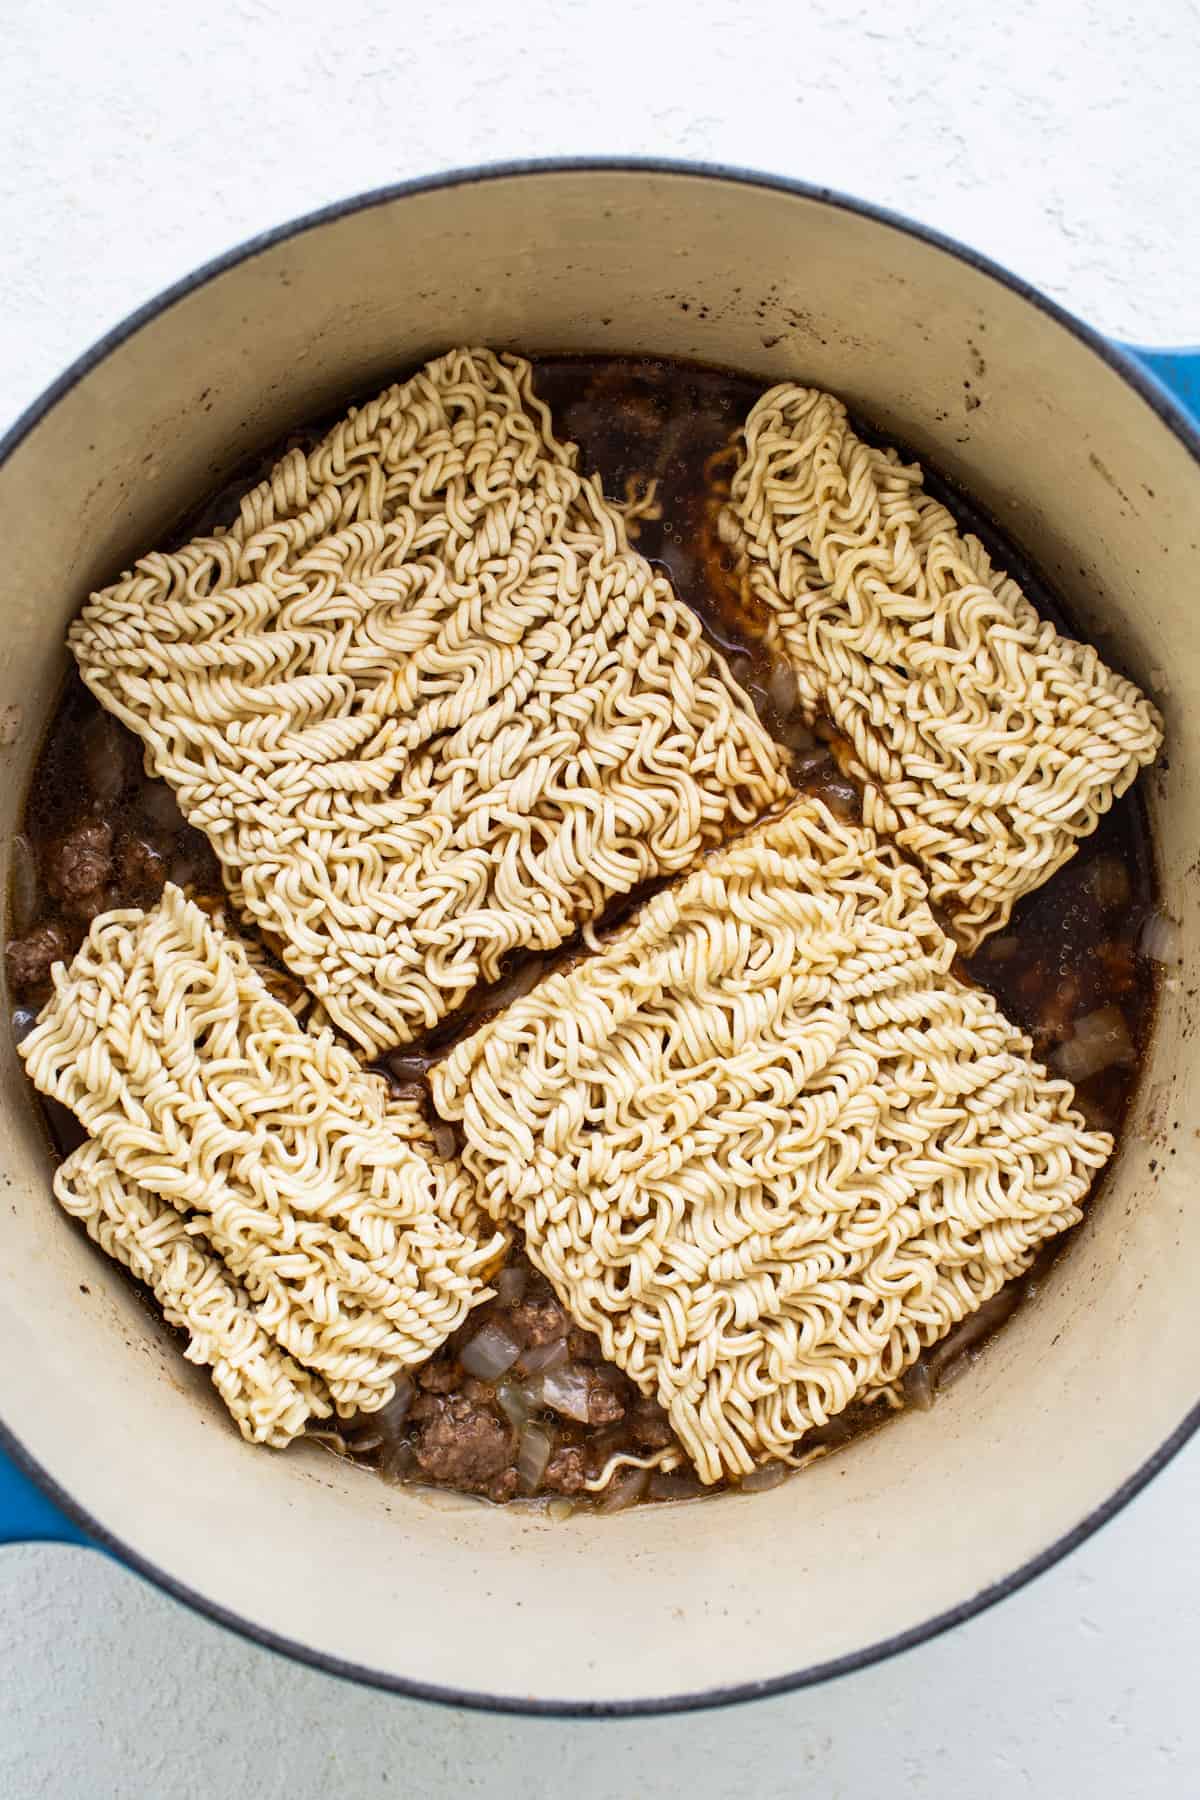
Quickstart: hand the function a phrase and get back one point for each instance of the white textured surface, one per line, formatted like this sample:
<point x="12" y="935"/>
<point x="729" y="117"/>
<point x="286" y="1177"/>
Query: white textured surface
<point x="136" y="140"/>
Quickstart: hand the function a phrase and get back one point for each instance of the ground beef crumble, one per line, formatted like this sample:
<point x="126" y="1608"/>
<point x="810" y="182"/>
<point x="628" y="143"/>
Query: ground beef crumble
<point x="463" y="1444"/>
<point x="80" y="865"/>
<point x="31" y="958"/>
<point x="566" y="1472"/>
<point x="538" y="1319"/>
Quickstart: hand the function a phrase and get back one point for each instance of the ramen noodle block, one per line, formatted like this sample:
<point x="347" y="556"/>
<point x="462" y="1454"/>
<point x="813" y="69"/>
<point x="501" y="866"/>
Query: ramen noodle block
<point x="428" y="705"/>
<point x="764" y="1144"/>
<point x="987" y="744"/>
<point x="269" y="1395"/>
<point x="313" y="1186"/>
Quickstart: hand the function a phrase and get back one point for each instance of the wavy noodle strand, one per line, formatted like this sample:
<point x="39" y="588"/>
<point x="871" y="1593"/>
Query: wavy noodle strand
<point x="987" y="744"/>
<point x="314" y="1186"/>
<point x="764" y="1144"/>
<point x="270" y="1396"/>
<point x="426" y="702"/>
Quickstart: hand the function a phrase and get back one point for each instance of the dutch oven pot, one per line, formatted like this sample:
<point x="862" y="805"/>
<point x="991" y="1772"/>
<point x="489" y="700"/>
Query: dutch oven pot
<point x="1078" y="450"/>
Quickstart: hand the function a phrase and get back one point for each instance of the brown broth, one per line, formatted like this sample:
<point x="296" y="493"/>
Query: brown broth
<point x="1070" y="949"/>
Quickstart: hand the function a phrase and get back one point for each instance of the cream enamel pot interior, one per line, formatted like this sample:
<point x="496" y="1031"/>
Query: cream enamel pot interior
<point x="1085" y="461"/>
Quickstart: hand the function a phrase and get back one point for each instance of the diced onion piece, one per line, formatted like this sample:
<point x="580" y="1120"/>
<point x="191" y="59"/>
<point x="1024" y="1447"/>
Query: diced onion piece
<point x="1101" y="1039"/>
<point x="560" y="1509"/>
<point x="1161" y="939"/>
<point x="840" y="795"/>
<point x="768" y="1476"/>
<point x="741" y="668"/>
<point x="534" y="1449"/>
<point x="490" y="1352"/>
<point x="406" y="1068"/>
<point x="793" y="733"/>
<point x="514" y="1402"/>
<point x="625" y="1489"/>
<point x="390" y="1417"/>
<point x="971" y="1331"/>
<point x="23" y="884"/>
<point x="445" y="1141"/>
<point x="544" y="1357"/>
<point x="518" y="981"/>
<point x="511" y="1284"/>
<point x="918" y="1386"/>
<point x="781" y="687"/>
<point x="106" y="757"/>
<point x="1108" y="881"/>
<point x="831" y="1436"/>
<point x="675" y="1484"/>
<point x="362" y="1443"/>
<point x="813" y="764"/>
<point x="566" y="1390"/>
<point x="760" y="700"/>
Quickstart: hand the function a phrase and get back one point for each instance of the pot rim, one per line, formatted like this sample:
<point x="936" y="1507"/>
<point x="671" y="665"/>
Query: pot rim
<point x="1126" y="364"/>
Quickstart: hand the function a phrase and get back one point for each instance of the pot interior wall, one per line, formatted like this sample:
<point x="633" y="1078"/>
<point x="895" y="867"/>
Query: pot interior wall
<point x="1086" y="1383"/>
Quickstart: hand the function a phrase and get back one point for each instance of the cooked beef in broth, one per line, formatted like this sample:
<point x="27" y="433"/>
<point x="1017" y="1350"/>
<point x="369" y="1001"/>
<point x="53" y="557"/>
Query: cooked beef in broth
<point x="519" y="1403"/>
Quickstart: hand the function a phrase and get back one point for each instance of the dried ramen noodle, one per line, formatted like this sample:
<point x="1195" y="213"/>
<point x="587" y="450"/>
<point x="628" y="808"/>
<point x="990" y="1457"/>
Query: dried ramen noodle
<point x="987" y="744"/>
<point x="425" y="701"/>
<point x="314" y="1187"/>
<point x="431" y="709"/>
<point x="269" y="1395"/>
<point x="764" y="1144"/>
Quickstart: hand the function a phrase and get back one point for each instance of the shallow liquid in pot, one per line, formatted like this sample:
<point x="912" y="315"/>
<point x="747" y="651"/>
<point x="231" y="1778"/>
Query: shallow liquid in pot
<point x="98" y="833"/>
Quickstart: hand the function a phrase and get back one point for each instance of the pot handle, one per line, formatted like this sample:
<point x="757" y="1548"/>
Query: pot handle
<point x="29" y="1516"/>
<point x="1176" y="370"/>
